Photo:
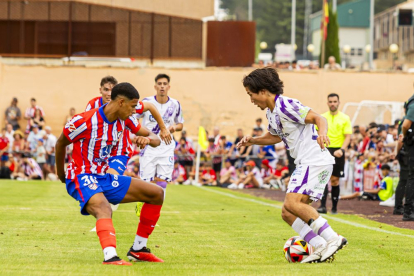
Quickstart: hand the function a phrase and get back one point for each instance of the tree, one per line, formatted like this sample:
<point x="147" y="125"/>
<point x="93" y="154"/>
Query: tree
<point x="332" y="39"/>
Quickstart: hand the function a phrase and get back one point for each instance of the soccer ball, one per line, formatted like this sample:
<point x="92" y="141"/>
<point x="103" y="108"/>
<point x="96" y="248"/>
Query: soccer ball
<point x="296" y="249"/>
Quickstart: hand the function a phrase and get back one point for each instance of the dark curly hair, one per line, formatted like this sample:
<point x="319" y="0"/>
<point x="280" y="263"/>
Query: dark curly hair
<point x="264" y="78"/>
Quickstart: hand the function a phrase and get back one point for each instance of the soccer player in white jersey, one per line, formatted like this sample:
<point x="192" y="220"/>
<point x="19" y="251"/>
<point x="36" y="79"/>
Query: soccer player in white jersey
<point x="293" y="124"/>
<point x="157" y="165"/>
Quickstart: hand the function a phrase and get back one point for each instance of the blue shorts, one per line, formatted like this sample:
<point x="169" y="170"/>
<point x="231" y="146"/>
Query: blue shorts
<point x="5" y="158"/>
<point x="118" y="163"/>
<point x="84" y="186"/>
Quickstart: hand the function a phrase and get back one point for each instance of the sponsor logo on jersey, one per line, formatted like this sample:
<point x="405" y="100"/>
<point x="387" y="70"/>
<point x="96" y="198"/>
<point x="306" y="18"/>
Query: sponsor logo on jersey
<point x="115" y="183"/>
<point x="105" y="152"/>
<point x="323" y="177"/>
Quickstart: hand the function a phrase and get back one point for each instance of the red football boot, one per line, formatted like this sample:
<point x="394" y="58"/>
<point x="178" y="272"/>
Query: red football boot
<point x="115" y="261"/>
<point x="143" y="255"/>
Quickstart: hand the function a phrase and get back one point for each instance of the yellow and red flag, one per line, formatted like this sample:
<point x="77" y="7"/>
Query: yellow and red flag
<point x="325" y="19"/>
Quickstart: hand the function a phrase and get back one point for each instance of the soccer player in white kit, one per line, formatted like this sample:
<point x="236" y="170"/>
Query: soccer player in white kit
<point x="157" y="165"/>
<point x="293" y="124"/>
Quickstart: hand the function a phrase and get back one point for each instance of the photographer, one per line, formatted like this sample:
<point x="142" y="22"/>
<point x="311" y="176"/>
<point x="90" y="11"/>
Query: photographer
<point x="407" y="130"/>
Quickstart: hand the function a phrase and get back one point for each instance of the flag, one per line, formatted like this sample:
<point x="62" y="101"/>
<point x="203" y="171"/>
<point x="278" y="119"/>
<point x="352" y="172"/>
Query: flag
<point x="325" y="19"/>
<point x="202" y="138"/>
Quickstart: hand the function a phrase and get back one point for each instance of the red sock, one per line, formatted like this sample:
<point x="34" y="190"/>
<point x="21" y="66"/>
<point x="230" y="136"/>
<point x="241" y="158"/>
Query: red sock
<point x="148" y="219"/>
<point x="106" y="232"/>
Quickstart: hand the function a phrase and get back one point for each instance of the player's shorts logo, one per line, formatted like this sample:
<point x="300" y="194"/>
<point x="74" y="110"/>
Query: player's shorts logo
<point x="93" y="186"/>
<point x="323" y="177"/>
<point x="115" y="184"/>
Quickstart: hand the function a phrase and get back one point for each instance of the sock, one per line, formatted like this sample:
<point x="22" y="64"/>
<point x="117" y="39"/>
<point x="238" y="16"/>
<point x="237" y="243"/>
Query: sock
<point x="139" y="243"/>
<point x="325" y="196"/>
<point x="163" y="185"/>
<point x="149" y="216"/>
<point x="106" y="233"/>
<point x="335" y="196"/>
<point x="306" y="233"/>
<point x="322" y="228"/>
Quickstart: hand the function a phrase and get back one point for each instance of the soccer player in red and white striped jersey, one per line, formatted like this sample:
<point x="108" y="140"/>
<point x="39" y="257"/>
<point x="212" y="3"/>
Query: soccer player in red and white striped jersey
<point x="95" y="135"/>
<point x="119" y="160"/>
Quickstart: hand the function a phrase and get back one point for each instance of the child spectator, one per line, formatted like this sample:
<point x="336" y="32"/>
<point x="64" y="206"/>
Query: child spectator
<point x="179" y="174"/>
<point x="41" y="155"/>
<point x="208" y="176"/>
<point x="251" y="179"/>
<point x="267" y="172"/>
<point x="228" y="174"/>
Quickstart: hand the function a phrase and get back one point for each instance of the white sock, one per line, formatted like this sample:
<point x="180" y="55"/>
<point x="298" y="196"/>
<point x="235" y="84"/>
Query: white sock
<point x="321" y="227"/>
<point x="109" y="252"/>
<point x="139" y="243"/>
<point x="306" y="233"/>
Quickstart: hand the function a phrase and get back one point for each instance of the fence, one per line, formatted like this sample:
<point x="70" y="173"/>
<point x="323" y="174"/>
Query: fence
<point x="64" y="28"/>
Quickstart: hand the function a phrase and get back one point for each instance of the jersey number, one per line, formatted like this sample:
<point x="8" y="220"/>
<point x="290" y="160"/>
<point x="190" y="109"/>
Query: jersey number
<point x="89" y="179"/>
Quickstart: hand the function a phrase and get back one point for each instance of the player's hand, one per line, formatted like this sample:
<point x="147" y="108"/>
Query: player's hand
<point x="245" y="141"/>
<point x="165" y="135"/>
<point x="171" y="129"/>
<point x="142" y="141"/>
<point x="338" y="153"/>
<point x="323" y="141"/>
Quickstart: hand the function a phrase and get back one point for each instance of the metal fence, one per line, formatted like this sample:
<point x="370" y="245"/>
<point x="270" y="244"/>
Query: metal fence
<point x="50" y="28"/>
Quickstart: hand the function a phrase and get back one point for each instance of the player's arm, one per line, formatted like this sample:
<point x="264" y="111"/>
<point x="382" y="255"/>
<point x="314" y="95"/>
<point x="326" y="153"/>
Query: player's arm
<point x="164" y="132"/>
<point x="60" y="148"/>
<point x="176" y="127"/>
<point x="145" y="137"/>
<point x="266" y="139"/>
<point x="316" y="119"/>
<point x="406" y="126"/>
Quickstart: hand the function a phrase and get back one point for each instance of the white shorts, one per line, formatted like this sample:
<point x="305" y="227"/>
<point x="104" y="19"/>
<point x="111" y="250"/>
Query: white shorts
<point x="156" y="166"/>
<point x="310" y="180"/>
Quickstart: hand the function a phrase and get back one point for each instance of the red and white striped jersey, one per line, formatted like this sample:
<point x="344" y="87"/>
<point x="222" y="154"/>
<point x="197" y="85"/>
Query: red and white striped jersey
<point x="94" y="139"/>
<point x="125" y="146"/>
<point x="32" y="168"/>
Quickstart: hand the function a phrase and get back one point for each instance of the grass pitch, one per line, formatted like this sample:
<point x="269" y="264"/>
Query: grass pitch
<point x="200" y="232"/>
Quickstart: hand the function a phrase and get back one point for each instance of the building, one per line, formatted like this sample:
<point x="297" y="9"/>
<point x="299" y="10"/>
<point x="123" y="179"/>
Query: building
<point x="353" y="21"/>
<point x="387" y="31"/>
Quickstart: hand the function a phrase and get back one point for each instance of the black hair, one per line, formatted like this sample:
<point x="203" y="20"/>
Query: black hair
<point x="211" y="139"/>
<point x="162" y="76"/>
<point x="126" y="90"/>
<point x="33" y="99"/>
<point x="385" y="167"/>
<point x="259" y="120"/>
<point x="108" y="79"/>
<point x="183" y="138"/>
<point x="372" y="125"/>
<point x="264" y="78"/>
<point x="333" y="95"/>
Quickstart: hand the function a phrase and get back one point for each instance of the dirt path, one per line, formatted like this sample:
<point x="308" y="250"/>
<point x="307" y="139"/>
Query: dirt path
<point x="367" y="209"/>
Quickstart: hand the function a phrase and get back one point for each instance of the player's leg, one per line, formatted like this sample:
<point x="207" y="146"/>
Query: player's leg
<point x="153" y="196"/>
<point x="303" y="229"/>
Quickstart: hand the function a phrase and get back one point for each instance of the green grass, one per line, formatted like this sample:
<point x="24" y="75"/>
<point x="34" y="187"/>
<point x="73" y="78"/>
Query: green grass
<point x="200" y="233"/>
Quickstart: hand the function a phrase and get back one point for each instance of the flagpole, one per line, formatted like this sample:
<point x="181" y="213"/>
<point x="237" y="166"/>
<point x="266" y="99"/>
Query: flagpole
<point x="197" y="164"/>
<point x="323" y="36"/>
<point x="293" y="32"/>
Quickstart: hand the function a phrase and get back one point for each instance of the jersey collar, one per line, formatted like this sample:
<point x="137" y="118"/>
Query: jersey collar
<point x="100" y="101"/>
<point x="101" y="112"/>
<point x="155" y="97"/>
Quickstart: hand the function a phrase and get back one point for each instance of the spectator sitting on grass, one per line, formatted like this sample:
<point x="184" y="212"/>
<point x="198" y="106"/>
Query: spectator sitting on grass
<point x="267" y="173"/>
<point x="381" y="193"/>
<point x="179" y="174"/>
<point x="28" y="169"/>
<point x="208" y="176"/>
<point x="251" y="179"/>
<point x="228" y="174"/>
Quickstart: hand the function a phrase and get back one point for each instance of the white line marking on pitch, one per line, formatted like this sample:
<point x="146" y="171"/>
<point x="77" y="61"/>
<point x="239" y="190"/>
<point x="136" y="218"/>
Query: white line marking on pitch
<point x="329" y="217"/>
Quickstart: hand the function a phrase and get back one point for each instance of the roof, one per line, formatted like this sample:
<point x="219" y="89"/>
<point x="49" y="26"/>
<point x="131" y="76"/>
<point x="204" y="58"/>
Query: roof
<point x="353" y="14"/>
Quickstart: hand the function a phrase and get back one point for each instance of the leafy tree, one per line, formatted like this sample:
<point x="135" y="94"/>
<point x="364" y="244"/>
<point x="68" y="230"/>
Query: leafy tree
<point x="332" y="39"/>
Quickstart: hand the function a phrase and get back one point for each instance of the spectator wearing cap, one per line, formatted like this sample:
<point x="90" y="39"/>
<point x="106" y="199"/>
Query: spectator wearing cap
<point x="228" y="174"/>
<point x="252" y="177"/>
<point x="31" y="113"/>
<point x="13" y="114"/>
<point x="267" y="171"/>
<point x="41" y="155"/>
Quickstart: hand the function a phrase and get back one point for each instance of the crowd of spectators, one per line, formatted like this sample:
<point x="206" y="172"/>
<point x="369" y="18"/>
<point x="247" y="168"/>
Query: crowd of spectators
<point x="370" y="158"/>
<point x="27" y="154"/>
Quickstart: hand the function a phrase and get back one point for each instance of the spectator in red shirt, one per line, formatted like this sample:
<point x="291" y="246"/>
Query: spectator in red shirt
<point x="208" y="176"/>
<point x="185" y="154"/>
<point x="179" y="174"/>
<point x="4" y="147"/>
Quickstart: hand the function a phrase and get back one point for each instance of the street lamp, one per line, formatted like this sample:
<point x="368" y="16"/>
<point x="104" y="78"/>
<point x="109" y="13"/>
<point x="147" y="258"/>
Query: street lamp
<point x="310" y="49"/>
<point x="347" y="50"/>
<point x="393" y="49"/>
<point x="263" y="45"/>
<point x="367" y="51"/>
